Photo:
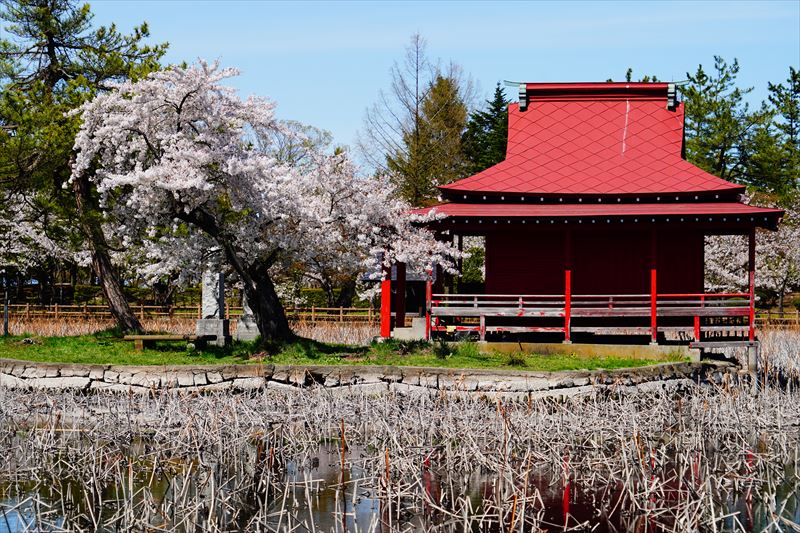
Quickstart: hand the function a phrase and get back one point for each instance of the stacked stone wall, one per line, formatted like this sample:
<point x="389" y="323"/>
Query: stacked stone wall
<point x="369" y="379"/>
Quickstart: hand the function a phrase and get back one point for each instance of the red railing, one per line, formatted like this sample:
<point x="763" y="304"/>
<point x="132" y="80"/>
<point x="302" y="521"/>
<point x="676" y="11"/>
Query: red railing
<point x="456" y="307"/>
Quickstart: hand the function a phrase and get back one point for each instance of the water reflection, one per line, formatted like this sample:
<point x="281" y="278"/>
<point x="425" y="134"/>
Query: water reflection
<point x="314" y="493"/>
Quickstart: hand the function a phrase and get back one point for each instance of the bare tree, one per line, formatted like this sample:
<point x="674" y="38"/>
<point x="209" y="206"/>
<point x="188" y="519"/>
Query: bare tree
<point x="402" y="131"/>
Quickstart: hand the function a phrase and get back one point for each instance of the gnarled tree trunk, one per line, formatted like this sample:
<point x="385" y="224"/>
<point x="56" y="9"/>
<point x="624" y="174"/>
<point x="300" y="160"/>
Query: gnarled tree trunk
<point x="266" y="305"/>
<point x="262" y="298"/>
<point x="101" y="261"/>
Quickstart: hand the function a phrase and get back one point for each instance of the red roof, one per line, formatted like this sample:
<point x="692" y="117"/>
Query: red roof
<point x="532" y="210"/>
<point x="594" y="139"/>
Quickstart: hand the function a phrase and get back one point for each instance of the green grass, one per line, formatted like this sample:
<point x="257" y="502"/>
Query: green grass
<point x="107" y="348"/>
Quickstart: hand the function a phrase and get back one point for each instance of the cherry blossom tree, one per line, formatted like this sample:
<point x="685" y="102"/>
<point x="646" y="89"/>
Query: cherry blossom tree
<point x="777" y="259"/>
<point x="30" y="236"/>
<point x="175" y="160"/>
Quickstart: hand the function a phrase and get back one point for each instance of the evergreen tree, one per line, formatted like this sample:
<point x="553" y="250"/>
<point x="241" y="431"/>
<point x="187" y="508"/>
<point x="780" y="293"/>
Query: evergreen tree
<point x="433" y="155"/>
<point x="720" y="129"/>
<point x="785" y="102"/>
<point x="413" y="133"/>
<point x="487" y="133"/>
<point x="54" y="60"/>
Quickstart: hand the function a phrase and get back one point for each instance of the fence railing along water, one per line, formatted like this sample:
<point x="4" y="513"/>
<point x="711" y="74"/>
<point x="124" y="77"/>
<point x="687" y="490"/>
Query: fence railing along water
<point x="372" y="315"/>
<point x="311" y="314"/>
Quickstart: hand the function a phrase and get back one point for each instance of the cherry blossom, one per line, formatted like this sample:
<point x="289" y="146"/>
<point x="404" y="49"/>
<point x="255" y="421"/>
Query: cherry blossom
<point x="180" y="164"/>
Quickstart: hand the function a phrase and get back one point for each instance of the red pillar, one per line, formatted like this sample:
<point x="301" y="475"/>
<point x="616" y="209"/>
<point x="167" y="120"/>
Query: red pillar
<point x="386" y="303"/>
<point x="428" y="302"/>
<point x="751" y="267"/>
<point x="567" y="286"/>
<point x="400" y="297"/>
<point x="653" y="288"/>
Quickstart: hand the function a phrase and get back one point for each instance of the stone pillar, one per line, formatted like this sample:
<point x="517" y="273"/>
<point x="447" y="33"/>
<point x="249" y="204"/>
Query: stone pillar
<point x="246" y="327"/>
<point x="213" y="322"/>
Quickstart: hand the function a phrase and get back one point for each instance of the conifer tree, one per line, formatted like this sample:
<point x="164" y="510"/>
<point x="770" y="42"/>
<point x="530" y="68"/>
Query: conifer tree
<point x="486" y="136"/>
<point x="720" y="127"/>
<point x="55" y="61"/>
<point x="434" y="151"/>
<point x="785" y="108"/>
<point x="413" y="133"/>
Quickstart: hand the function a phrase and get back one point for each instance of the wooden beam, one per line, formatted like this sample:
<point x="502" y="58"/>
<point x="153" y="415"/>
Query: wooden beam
<point x="751" y="266"/>
<point x="428" y="304"/>
<point x="386" y="303"/>
<point x="567" y="285"/>
<point x="653" y="288"/>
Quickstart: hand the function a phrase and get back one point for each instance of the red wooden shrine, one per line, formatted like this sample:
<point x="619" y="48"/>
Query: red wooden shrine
<point x="594" y="223"/>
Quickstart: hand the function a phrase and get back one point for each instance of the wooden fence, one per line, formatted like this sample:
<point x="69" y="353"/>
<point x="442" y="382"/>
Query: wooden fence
<point x="775" y="318"/>
<point x="101" y="312"/>
<point x="310" y="314"/>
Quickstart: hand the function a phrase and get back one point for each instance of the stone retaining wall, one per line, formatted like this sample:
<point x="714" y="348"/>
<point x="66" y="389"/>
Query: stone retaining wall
<point x="370" y="379"/>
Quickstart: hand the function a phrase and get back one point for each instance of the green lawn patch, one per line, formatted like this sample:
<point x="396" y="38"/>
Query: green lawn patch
<point x="107" y="348"/>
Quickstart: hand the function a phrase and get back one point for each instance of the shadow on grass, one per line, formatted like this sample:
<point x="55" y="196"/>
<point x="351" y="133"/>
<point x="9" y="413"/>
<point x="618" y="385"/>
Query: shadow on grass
<point x="304" y="348"/>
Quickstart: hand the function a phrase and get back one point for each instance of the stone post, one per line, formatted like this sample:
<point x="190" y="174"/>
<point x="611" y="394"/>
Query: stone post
<point x="246" y="327"/>
<point x="213" y="322"/>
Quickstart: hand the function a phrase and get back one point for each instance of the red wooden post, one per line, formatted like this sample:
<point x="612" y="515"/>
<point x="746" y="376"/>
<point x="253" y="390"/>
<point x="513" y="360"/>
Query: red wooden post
<point x="653" y="289"/>
<point x="386" y="303"/>
<point x="697" y="320"/>
<point x="428" y="302"/>
<point x="751" y="266"/>
<point x="567" y="286"/>
<point x="400" y="297"/>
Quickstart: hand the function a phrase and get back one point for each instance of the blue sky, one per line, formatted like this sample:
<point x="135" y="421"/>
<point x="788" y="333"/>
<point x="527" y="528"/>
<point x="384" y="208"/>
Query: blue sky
<point x="324" y="62"/>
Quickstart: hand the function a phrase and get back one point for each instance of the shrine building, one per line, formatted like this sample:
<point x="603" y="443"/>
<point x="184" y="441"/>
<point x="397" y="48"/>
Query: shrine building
<point x="594" y="224"/>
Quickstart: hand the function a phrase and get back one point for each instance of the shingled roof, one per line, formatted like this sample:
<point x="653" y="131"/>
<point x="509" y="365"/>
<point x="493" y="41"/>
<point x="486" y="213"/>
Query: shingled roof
<point x="593" y="139"/>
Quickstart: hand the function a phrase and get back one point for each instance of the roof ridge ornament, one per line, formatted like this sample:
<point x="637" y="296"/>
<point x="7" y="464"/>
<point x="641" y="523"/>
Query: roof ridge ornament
<point x="523" y="96"/>
<point x="672" y="97"/>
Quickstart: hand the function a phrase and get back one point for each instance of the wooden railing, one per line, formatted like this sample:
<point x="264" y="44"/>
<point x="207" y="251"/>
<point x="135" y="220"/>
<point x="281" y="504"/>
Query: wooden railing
<point x="777" y="318"/>
<point x="457" y="312"/>
<point x="101" y="312"/>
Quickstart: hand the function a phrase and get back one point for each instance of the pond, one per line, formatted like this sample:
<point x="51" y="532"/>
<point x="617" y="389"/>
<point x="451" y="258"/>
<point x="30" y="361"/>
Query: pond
<point x="307" y="462"/>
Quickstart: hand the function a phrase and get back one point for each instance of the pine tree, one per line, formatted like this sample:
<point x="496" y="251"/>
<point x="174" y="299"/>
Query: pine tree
<point x="720" y="128"/>
<point x="54" y="61"/>
<point x="487" y="133"/>
<point x="785" y="102"/>
<point x="413" y="133"/>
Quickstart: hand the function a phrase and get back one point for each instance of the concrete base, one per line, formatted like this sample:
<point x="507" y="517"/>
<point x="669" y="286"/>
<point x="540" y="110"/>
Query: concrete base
<point x="246" y="329"/>
<point x="415" y="333"/>
<point x="214" y="327"/>
<point x="632" y="351"/>
<point x="752" y="357"/>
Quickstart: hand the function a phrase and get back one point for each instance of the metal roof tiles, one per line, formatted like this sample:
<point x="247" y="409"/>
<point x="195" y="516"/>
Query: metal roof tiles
<point x="594" y="139"/>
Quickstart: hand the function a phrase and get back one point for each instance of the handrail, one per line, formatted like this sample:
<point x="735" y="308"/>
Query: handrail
<point x="707" y="295"/>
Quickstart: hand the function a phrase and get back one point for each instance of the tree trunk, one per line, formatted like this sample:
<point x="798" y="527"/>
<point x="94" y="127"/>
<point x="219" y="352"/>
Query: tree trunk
<point x="258" y="287"/>
<point x="112" y="289"/>
<point x="327" y="288"/>
<point x="101" y="260"/>
<point x="347" y="294"/>
<point x="266" y="306"/>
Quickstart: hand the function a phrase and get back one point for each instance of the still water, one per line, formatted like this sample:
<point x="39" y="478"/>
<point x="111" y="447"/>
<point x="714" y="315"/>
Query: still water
<point x="317" y="494"/>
